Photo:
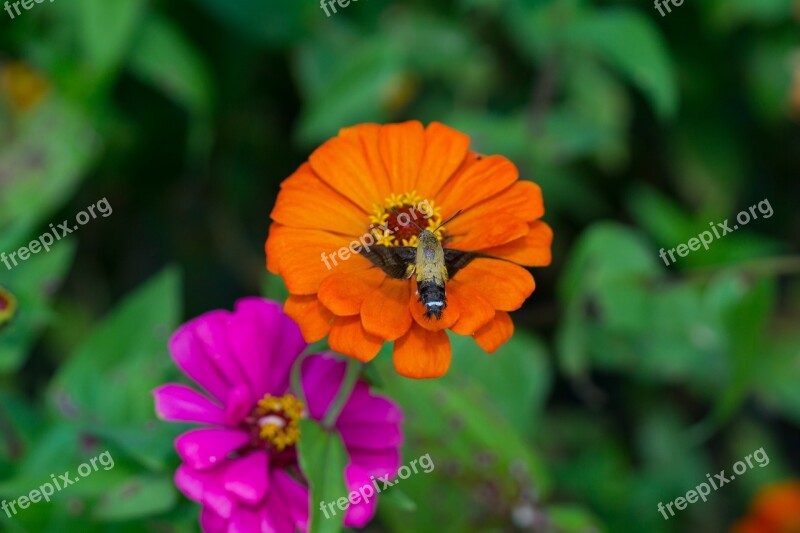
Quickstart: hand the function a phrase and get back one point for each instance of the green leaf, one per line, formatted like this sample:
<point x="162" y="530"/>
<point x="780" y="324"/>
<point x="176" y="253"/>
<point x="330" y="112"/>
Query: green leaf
<point x="519" y="368"/>
<point x="129" y="350"/>
<point x="356" y="92"/>
<point x="136" y="498"/>
<point x="399" y="499"/>
<point x="106" y="30"/>
<point x="164" y="58"/>
<point x="33" y="283"/>
<point x="322" y="458"/>
<point x="778" y="375"/>
<point x="268" y="23"/>
<point x="43" y="163"/>
<point x="630" y="43"/>
<point x="572" y="519"/>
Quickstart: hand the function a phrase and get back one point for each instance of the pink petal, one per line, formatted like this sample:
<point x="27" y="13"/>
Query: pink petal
<point x="294" y="496"/>
<point x="180" y="403"/>
<point x="219" y="500"/>
<point x="359" y="514"/>
<point x="212" y="330"/>
<point x="322" y="376"/>
<point x="191" y="357"/>
<point x="207" y="487"/>
<point x="277" y="515"/>
<point x="211" y="522"/>
<point x="372" y="437"/>
<point x="203" y="448"/>
<point x="288" y="344"/>
<point x="261" y="337"/>
<point x="364" y="409"/>
<point x="248" y="477"/>
<point x="239" y="404"/>
<point x="376" y="462"/>
<point x="190" y="482"/>
<point x="246" y="520"/>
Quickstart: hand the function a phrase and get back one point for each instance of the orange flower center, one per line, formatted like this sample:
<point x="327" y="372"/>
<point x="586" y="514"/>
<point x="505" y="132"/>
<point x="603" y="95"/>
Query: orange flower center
<point x="274" y="422"/>
<point x="398" y="221"/>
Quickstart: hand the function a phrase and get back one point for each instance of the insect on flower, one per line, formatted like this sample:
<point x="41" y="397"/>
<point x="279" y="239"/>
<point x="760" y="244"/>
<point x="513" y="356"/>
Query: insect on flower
<point x="382" y="280"/>
<point x="433" y="264"/>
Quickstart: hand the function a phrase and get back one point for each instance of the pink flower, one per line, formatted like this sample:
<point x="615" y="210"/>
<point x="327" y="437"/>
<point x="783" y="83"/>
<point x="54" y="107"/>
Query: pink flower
<point x="243" y="466"/>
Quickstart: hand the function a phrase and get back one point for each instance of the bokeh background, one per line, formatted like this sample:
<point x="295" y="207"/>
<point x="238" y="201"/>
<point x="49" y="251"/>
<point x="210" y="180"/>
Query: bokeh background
<point x="626" y="382"/>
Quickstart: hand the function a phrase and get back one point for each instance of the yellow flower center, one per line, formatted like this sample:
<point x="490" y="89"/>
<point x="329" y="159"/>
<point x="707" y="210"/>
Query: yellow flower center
<point x="395" y="223"/>
<point x="276" y="420"/>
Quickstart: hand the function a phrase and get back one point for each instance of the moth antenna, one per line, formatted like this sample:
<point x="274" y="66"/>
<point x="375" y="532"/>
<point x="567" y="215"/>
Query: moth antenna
<point x="394" y="210"/>
<point x="448" y="220"/>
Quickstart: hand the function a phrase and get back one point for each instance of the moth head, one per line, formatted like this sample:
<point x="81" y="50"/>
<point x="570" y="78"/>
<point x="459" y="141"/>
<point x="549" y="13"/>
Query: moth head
<point x="428" y="239"/>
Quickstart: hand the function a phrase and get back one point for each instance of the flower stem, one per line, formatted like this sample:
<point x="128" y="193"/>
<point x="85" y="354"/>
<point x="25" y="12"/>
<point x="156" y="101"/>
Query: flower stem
<point x="349" y="382"/>
<point x="297" y="379"/>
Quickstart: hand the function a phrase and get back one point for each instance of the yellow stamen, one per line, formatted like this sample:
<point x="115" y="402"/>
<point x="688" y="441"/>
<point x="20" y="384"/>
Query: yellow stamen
<point x="277" y="419"/>
<point x="428" y="217"/>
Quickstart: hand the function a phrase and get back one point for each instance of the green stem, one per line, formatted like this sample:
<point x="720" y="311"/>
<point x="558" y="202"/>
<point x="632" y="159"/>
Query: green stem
<point x="297" y="379"/>
<point x="350" y="377"/>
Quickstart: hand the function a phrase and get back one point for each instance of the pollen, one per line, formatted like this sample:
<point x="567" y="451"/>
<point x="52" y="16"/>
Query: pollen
<point x="276" y="421"/>
<point x="393" y="224"/>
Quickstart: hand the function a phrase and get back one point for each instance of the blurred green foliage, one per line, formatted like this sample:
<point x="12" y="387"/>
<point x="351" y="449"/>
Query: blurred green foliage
<point x="626" y="382"/>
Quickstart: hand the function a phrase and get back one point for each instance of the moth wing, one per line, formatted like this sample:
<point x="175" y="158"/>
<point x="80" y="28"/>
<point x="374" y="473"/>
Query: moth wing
<point x="393" y="260"/>
<point x="455" y="260"/>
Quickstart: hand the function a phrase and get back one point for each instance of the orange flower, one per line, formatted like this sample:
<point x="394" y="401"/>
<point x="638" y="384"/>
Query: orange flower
<point x="357" y="188"/>
<point x="776" y="509"/>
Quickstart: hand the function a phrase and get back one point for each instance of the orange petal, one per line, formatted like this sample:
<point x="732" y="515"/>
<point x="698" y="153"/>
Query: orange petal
<point x="449" y="315"/>
<point x="349" y="338"/>
<point x="273" y="265"/>
<point x="312" y="317"/>
<point x="401" y="147"/>
<point x="534" y="249"/>
<point x="422" y="354"/>
<point x="476" y="311"/>
<point x="505" y="285"/>
<point x="385" y="311"/>
<point x="344" y="293"/>
<point x="368" y="136"/>
<point x="305" y="201"/>
<point x="507" y="212"/>
<point x="478" y="182"/>
<point x="305" y="257"/>
<point x="445" y="150"/>
<point x="341" y="163"/>
<point x="496" y="230"/>
<point x="491" y="336"/>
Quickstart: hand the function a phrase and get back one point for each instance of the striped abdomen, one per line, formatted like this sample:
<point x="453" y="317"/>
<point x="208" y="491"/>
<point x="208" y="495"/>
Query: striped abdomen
<point x="433" y="298"/>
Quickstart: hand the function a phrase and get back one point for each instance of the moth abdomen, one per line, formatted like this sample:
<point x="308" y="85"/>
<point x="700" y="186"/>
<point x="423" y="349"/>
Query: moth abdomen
<point x="433" y="298"/>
